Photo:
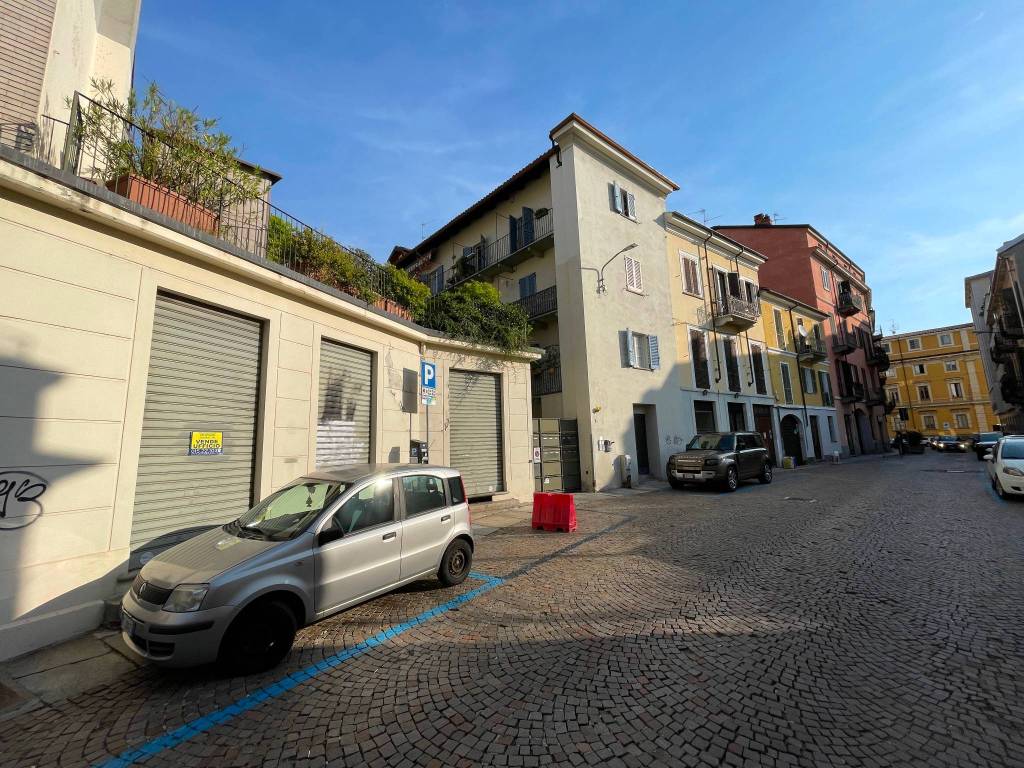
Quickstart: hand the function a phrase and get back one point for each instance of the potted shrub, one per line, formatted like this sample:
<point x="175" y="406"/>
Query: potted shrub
<point x="162" y="156"/>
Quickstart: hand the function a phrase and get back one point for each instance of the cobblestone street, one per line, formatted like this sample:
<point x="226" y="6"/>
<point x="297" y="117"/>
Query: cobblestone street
<point x="866" y="614"/>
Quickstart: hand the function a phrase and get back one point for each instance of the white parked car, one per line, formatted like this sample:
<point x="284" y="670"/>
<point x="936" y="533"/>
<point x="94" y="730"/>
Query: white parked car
<point x="1006" y="466"/>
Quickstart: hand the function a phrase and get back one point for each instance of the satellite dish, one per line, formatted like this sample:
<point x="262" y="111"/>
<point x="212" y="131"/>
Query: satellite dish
<point x="801" y="330"/>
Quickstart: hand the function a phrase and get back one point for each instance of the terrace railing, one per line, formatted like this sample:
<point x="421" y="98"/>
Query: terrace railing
<point x="174" y="179"/>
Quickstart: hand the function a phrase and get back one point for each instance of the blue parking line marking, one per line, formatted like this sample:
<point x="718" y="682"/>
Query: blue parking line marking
<point x="206" y="722"/>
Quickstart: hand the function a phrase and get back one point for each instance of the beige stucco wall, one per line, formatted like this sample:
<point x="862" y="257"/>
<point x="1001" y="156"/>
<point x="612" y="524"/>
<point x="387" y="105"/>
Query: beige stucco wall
<point x="596" y="387"/>
<point x="90" y="39"/>
<point x="80" y="279"/>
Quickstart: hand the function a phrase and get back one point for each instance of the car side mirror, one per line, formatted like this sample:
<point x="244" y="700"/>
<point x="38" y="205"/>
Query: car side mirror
<point x="989" y="456"/>
<point x="327" y="535"/>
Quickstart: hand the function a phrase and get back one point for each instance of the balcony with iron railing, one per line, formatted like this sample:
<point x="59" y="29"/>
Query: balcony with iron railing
<point x="852" y="392"/>
<point x="849" y="303"/>
<point x="810" y="348"/>
<point x="843" y="344"/>
<point x="878" y="358"/>
<point x="540" y="304"/>
<point x="547" y="381"/>
<point x="735" y="313"/>
<point x="1011" y="389"/>
<point x="486" y="259"/>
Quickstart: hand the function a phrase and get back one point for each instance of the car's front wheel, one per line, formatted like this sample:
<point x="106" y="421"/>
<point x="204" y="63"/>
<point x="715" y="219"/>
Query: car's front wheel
<point x="766" y="473"/>
<point x="732" y="479"/>
<point x="455" y="564"/>
<point x="998" y="488"/>
<point x="259" y="638"/>
<point x="677" y="484"/>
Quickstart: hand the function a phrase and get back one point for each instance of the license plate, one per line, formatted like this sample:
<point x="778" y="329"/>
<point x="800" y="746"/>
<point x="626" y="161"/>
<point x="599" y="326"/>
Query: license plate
<point x="688" y="476"/>
<point x="128" y="624"/>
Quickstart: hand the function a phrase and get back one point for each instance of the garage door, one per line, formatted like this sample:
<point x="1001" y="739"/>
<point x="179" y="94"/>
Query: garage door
<point x="204" y="376"/>
<point x="476" y="445"/>
<point x="344" y="424"/>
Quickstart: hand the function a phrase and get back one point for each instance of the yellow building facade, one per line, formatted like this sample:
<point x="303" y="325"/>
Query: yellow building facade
<point x="804" y="408"/>
<point x="721" y="355"/>
<point x="938" y="382"/>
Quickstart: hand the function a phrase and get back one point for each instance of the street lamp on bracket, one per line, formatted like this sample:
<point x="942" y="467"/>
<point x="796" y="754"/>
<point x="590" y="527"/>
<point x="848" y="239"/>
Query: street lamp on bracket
<point x="601" y="288"/>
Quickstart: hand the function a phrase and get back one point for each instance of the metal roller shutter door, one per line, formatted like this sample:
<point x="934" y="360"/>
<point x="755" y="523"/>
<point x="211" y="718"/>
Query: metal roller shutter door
<point x="476" y="444"/>
<point x="204" y="376"/>
<point x="344" y="428"/>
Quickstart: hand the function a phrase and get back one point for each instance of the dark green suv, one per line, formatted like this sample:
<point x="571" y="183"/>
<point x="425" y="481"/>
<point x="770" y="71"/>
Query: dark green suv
<point x="721" y="458"/>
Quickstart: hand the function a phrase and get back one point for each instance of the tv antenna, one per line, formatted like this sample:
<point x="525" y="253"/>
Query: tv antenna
<point x="704" y="215"/>
<point x="776" y="218"/>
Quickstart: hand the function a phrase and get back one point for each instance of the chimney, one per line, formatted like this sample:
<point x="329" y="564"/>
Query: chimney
<point x="762" y="220"/>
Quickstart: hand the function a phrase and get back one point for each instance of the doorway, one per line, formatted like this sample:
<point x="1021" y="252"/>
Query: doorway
<point x="850" y="437"/>
<point x="763" y="424"/>
<point x="643" y="460"/>
<point x="816" y="438"/>
<point x="792" y="442"/>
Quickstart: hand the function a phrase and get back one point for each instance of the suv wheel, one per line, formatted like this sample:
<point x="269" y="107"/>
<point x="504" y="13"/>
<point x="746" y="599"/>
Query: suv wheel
<point x="766" y="473"/>
<point x="259" y="638"/>
<point x="732" y="479"/>
<point x="455" y="564"/>
<point x="998" y="488"/>
<point x="677" y="484"/>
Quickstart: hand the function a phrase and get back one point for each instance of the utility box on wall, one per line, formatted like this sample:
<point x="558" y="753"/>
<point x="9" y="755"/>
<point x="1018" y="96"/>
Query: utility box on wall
<point x="418" y="452"/>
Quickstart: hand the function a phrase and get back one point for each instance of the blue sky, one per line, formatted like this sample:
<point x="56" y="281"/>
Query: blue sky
<point x="896" y="129"/>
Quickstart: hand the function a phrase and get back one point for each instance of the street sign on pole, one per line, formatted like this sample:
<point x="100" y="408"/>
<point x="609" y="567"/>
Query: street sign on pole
<point x="428" y="383"/>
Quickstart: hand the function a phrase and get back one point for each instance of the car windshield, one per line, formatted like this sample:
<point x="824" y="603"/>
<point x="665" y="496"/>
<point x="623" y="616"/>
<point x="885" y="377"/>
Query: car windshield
<point x="989" y="436"/>
<point x="1013" y="449"/>
<point x="288" y="512"/>
<point x="712" y="442"/>
<point x="947" y="439"/>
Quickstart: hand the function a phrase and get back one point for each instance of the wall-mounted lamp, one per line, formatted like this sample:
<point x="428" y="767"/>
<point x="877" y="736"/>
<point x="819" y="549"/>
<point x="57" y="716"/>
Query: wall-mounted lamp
<point x="600" y="272"/>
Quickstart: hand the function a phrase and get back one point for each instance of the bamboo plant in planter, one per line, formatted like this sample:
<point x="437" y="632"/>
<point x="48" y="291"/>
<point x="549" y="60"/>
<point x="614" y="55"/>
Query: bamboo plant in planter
<point x="162" y="156"/>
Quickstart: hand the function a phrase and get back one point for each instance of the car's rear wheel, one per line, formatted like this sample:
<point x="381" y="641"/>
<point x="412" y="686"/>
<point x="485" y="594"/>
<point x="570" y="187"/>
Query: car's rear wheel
<point x="732" y="479"/>
<point x="455" y="564"/>
<point x="766" y="473"/>
<point x="259" y="638"/>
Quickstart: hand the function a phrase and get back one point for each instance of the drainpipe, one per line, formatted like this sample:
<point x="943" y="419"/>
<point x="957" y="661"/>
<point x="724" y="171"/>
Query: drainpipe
<point x="803" y="391"/>
<point x="711" y="286"/>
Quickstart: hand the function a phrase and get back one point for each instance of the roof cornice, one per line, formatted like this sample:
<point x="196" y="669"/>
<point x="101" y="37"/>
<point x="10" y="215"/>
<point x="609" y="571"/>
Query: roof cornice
<point x="687" y="227"/>
<point x="575" y="127"/>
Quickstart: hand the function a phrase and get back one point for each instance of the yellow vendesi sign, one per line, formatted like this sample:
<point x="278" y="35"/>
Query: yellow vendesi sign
<point x="205" y="443"/>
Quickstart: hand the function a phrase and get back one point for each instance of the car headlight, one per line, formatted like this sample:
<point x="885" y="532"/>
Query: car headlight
<point x="1012" y="471"/>
<point x="710" y="462"/>
<point x="186" y="597"/>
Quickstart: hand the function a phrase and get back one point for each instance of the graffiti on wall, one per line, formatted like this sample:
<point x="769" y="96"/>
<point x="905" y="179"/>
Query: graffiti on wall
<point x="20" y="492"/>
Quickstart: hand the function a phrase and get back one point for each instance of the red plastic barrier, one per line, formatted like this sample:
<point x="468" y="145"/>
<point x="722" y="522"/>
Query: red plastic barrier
<point x="554" y="511"/>
<point x="541" y="509"/>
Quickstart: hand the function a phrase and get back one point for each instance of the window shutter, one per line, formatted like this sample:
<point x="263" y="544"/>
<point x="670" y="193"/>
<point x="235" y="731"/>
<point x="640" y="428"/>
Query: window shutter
<point x="628" y="349"/>
<point x="527" y="233"/>
<point x="652" y="342"/>
<point x="616" y="197"/>
<point x="631" y="205"/>
<point x="513" y="234"/>
<point x="634" y="276"/>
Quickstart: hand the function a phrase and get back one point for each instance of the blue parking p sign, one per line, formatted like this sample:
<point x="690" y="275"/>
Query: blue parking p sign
<point x="428" y="383"/>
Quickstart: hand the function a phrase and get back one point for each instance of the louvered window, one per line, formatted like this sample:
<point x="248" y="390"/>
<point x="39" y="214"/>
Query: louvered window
<point x="691" y="274"/>
<point x="634" y="275"/>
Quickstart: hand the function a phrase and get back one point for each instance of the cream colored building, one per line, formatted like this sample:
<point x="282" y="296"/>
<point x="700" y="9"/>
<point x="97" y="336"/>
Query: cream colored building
<point x="51" y="48"/>
<point x="577" y="237"/>
<point x="123" y="333"/>
<point x="721" y="350"/>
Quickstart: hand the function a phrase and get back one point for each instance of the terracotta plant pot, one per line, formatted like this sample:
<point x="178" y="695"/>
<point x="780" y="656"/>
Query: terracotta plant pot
<point x="393" y="307"/>
<point x="162" y="200"/>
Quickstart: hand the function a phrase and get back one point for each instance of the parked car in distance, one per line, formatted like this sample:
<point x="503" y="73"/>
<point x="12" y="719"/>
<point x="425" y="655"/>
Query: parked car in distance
<point x="1006" y="466"/>
<point x="238" y="593"/>
<point x="932" y="440"/>
<point x="951" y="444"/>
<point x="983" y="442"/>
<point x="721" y="458"/>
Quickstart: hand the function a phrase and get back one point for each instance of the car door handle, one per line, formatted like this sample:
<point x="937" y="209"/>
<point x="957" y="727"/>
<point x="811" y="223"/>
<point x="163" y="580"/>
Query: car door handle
<point x="445" y="518"/>
<point x="389" y="536"/>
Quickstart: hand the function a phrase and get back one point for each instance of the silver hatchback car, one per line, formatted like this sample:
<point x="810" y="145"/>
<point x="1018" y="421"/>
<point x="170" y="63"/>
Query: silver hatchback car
<point x="238" y="593"/>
